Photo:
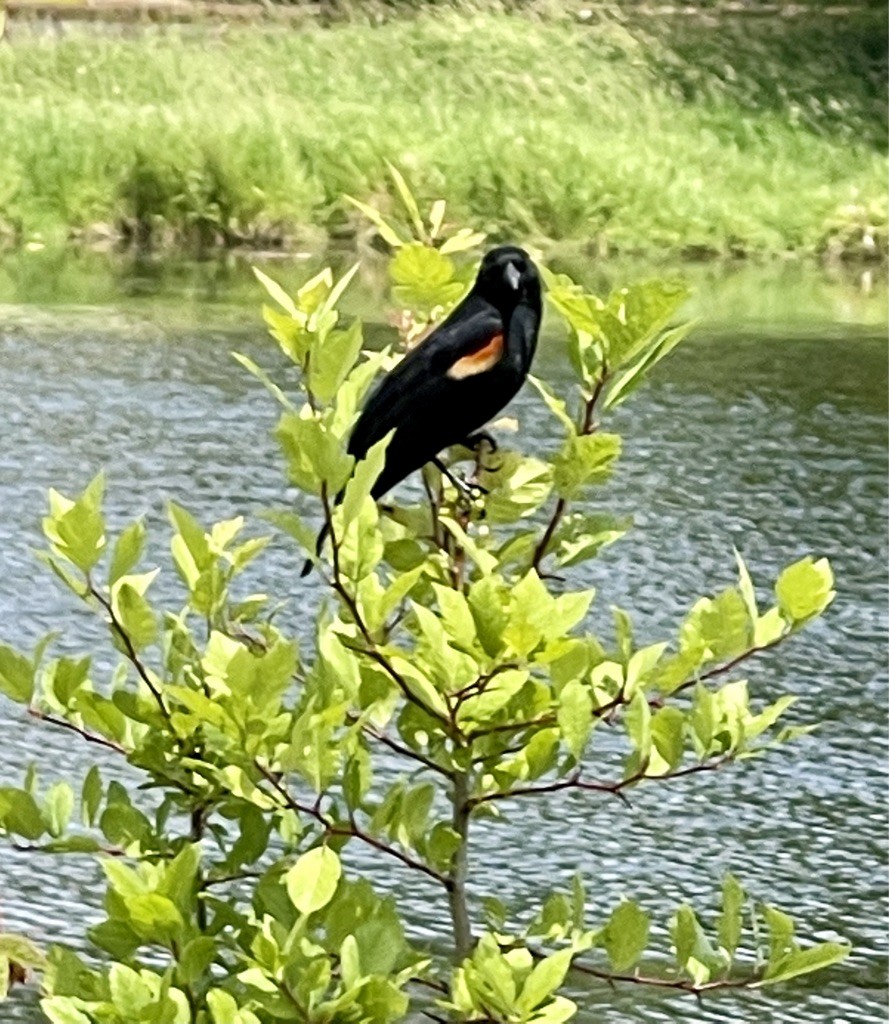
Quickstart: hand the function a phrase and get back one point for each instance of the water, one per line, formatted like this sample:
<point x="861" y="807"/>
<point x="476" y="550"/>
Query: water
<point x="769" y="440"/>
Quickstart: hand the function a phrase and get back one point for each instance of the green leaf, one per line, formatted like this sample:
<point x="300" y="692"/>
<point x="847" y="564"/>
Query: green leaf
<point x="638" y="722"/>
<point x="195" y="959"/>
<point x="555" y="405"/>
<point x="543" y="981"/>
<point x="76" y="529"/>
<point x="387" y="232"/>
<point x="423" y="278"/>
<point x="575" y="716"/>
<point x="61" y="1010"/>
<point x="729" y="923"/>
<point x="16" y="675"/>
<point x="625" y="935"/>
<point x="277" y="293"/>
<point x="313" y="879"/>
<point x="314" y="454"/>
<point x="127" y="551"/>
<point x="407" y="197"/>
<point x="133" y="611"/>
<point x="781" y="929"/>
<point x="462" y="240"/>
<point x="805" y="589"/>
<point x="331" y="360"/>
<point x="22" y="951"/>
<point x="585" y="459"/>
<point x="625" y="384"/>
<point x="667" y="739"/>
<point x="694" y="954"/>
<point x="804" y="961"/>
<point x="19" y="813"/>
<point x="154" y="918"/>
<point x="58" y="805"/>
<point x="363" y="478"/>
<point x="745" y="587"/>
<point x="264" y="379"/>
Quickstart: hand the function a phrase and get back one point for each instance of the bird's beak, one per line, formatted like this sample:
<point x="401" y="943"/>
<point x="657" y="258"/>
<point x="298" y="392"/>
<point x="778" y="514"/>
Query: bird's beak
<point x="513" y="277"/>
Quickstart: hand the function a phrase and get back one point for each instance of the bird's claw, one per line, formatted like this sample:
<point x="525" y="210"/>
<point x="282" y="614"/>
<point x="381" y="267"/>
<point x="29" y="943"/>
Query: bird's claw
<point x="480" y="438"/>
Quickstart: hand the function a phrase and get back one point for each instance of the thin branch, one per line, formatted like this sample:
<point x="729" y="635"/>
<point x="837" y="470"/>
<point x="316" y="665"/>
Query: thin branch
<point x="615" y="788"/>
<point x="551" y="527"/>
<point x="239" y="876"/>
<point x="132" y="654"/>
<point x="349" y="600"/>
<point x="63" y="723"/>
<point x="729" y="665"/>
<point x="375" y="655"/>
<point x="492" y="730"/>
<point x="398" y="748"/>
<point x="478" y="686"/>
<point x="588" y="426"/>
<point x="677" y="984"/>
<point x="109" y="851"/>
<point x="332" y="828"/>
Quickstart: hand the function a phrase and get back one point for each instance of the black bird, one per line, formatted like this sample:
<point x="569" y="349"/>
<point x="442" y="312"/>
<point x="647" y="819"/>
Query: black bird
<point x="459" y="377"/>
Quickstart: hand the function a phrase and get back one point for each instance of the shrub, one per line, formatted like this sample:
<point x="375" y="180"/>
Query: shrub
<point x="448" y="647"/>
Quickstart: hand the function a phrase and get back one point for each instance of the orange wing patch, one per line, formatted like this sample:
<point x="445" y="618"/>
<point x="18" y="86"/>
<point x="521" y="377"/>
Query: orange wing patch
<point x="483" y="358"/>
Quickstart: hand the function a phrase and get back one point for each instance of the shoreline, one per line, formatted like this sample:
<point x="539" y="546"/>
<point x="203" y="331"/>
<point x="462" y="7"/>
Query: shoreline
<point x="597" y="134"/>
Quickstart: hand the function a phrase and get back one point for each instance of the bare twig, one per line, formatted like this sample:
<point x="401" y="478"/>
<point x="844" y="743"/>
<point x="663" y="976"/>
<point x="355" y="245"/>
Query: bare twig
<point x="63" y="723"/>
<point x="404" y="751"/>
<point x="109" y="851"/>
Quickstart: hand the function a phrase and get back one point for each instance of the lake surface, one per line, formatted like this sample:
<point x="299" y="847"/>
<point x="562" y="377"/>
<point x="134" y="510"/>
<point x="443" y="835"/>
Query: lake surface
<point x="767" y="436"/>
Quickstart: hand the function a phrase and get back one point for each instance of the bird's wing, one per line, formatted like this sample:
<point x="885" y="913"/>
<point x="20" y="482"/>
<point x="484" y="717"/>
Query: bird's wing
<point x="463" y="344"/>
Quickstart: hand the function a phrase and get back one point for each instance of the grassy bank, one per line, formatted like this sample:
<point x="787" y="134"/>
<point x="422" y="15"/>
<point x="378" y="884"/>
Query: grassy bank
<point x="547" y="129"/>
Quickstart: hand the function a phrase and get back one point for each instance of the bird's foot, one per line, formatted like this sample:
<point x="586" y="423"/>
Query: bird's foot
<point x="478" y="443"/>
<point x="469" y="489"/>
<point x="479" y="439"/>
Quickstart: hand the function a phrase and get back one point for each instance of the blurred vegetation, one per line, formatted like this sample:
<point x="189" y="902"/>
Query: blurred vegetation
<point x="689" y="136"/>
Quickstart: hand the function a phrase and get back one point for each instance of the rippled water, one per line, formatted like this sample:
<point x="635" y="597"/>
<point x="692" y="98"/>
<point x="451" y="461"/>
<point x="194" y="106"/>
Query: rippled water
<point x="771" y="444"/>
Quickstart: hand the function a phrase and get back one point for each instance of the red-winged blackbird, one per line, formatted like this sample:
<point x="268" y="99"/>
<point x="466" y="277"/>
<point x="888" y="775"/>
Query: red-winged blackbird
<point x="460" y="376"/>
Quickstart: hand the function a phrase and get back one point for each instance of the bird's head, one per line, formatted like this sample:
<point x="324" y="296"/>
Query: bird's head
<point x="507" y="277"/>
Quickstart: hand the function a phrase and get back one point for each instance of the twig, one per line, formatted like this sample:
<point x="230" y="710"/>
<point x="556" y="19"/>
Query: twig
<point x="728" y="665"/>
<point x="109" y="851"/>
<point x="238" y="876"/>
<point x="332" y="828"/>
<point x="398" y="748"/>
<point x="576" y="781"/>
<point x="132" y="654"/>
<point x="478" y="686"/>
<point x="401" y="682"/>
<point x="678" y="984"/>
<point x="63" y="723"/>
<point x="588" y="426"/>
<point x="348" y="599"/>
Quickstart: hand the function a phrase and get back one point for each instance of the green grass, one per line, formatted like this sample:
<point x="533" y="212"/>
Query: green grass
<point x="549" y="130"/>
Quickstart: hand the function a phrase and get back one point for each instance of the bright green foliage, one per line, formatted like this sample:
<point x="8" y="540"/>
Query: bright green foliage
<point x="447" y="646"/>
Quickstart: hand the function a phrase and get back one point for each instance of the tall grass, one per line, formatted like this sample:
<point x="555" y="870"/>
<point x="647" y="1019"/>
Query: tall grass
<point x="550" y="130"/>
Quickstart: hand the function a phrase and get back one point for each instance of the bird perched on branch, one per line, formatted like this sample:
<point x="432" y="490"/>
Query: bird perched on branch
<point x="459" y="377"/>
